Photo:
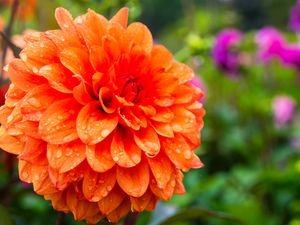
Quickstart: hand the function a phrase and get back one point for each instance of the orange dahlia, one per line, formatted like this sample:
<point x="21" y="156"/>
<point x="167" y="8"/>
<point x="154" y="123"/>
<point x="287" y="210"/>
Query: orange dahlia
<point x="103" y="121"/>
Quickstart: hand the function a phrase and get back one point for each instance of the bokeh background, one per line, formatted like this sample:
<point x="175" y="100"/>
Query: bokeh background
<point x="251" y="139"/>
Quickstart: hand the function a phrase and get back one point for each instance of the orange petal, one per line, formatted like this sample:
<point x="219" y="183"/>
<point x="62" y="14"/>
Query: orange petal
<point x="99" y="157"/>
<point x="179" y="152"/>
<point x="29" y="128"/>
<point x="163" y="129"/>
<point x="25" y="171"/>
<point x="66" y="157"/>
<point x="83" y="92"/>
<point x="97" y="186"/>
<point x="34" y="152"/>
<point x="92" y="28"/>
<point x="148" y="140"/>
<point x="80" y="208"/>
<point x="179" y="188"/>
<point x="138" y="34"/>
<point x="184" y="120"/>
<point x="112" y="200"/>
<point x="22" y="77"/>
<point x="163" y="193"/>
<point x="77" y="61"/>
<point x="93" y="125"/>
<point x="161" y="59"/>
<point x="37" y="100"/>
<point x="111" y="47"/>
<point x="164" y="115"/>
<point x="121" y="17"/>
<point x="181" y="71"/>
<point x="59" y="77"/>
<point x="99" y="58"/>
<point x="10" y="143"/>
<point x="65" y="21"/>
<point x="140" y="204"/>
<point x="4" y="113"/>
<point x="107" y="100"/>
<point x="58" y="122"/>
<point x="62" y="180"/>
<point x="39" y="54"/>
<point x="134" y="181"/>
<point x="119" y="212"/>
<point x="162" y="169"/>
<point x="13" y="95"/>
<point x="186" y="93"/>
<point x="123" y="149"/>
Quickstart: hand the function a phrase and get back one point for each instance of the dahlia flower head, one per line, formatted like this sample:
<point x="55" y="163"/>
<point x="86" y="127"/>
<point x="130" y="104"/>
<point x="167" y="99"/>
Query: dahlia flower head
<point x="102" y="120"/>
<point x="272" y="45"/>
<point x="283" y="109"/>
<point x="224" y="57"/>
<point x="294" y="20"/>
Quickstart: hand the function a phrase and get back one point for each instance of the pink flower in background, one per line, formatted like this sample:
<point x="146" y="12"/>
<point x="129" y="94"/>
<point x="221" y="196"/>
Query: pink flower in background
<point x="273" y="45"/>
<point x="294" y="21"/>
<point x="224" y="55"/>
<point x="283" y="109"/>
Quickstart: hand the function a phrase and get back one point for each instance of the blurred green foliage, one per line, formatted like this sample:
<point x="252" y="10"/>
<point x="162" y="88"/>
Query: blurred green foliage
<point x="252" y="167"/>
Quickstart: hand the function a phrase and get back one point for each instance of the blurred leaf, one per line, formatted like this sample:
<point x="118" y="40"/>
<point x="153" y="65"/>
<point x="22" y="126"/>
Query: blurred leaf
<point x="198" y="213"/>
<point x="5" y="217"/>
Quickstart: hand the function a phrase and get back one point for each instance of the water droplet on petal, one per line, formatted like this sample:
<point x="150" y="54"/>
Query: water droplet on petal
<point x="104" y="133"/>
<point x="58" y="153"/>
<point x="34" y="102"/>
<point x="187" y="154"/>
<point x="116" y="158"/>
<point x="95" y="199"/>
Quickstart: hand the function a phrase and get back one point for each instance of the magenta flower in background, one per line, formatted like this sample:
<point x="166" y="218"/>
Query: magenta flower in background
<point x="224" y="55"/>
<point x="272" y="44"/>
<point x="283" y="109"/>
<point x="294" y="21"/>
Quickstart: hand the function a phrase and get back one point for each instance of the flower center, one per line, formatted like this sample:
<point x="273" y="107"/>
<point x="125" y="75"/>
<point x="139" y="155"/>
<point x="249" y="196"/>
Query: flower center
<point x="130" y="90"/>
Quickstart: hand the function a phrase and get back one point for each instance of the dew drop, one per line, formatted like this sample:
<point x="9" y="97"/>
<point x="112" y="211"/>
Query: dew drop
<point x="109" y="188"/>
<point x="60" y="117"/>
<point x="34" y="102"/>
<point x="35" y="70"/>
<point x="95" y="199"/>
<point x="187" y="154"/>
<point x="6" y="68"/>
<point x="116" y="158"/>
<point x="104" y="133"/>
<point x="69" y="151"/>
<point x="10" y="118"/>
<point x="58" y="153"/>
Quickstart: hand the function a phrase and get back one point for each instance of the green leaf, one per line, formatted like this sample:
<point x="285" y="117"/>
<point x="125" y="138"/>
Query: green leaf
<point x="6" y="218"/>
<point x="198" y="213"/>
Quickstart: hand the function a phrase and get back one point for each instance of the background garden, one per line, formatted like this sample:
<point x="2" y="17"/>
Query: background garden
<point x="246" y="55"/>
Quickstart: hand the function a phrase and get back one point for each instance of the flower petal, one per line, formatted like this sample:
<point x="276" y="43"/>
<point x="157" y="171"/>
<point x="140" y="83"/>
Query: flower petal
<point x="58" y="77"/>
<point x="163" y="129"/>
<point x="66" y="157"/>
<point x="99" y="156"/>
<point x="10" y="143"/>
<point x="22" y="77"/>
<point x="179" y="152"/>
<point x="166" y="192"/>
<point x="93" y="125"/>
<point x="112" y="200"/>
<point x="121" y="17"/>
<point x="123" y="149"/>
<point x="58" y="122"/>
<point x="148" y="140"/>
<point x="97" y="186"/>
<point x="37" y="100"/>
<point x="119" y="212"/>
<point x="138" y="34"/>
<point x="134" y="181"/>
<point x="140" y="204"/>
<point x="162" y="169"/>
<point x="34" y="152"/>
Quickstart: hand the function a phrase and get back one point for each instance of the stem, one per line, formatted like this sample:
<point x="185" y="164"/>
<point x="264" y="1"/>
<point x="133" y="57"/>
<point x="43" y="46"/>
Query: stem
<point x="8" y="31"/>
<point x="10" y="44"/>
<point x="60" y="219"/>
